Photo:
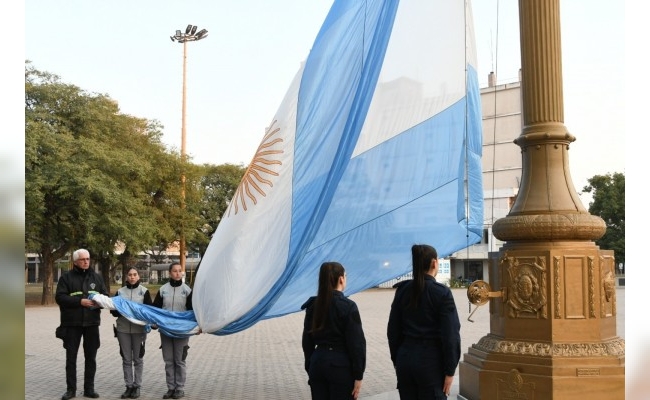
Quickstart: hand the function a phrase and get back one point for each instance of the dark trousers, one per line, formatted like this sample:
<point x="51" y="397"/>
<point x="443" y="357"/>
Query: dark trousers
<point x="330" y="375"/>
<point x="419" y="372"/>
<point x="90" y="335"/>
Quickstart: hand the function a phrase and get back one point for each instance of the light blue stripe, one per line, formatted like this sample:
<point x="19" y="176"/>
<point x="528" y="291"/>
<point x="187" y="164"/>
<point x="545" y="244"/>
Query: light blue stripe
<point x="372" y="235"/>
<point x="475" y="151"/>
<point x="176" y="324"/>
<point x="340" y="75"/>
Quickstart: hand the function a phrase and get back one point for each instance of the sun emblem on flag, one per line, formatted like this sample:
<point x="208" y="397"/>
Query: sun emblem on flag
<point x="257" y="172"/>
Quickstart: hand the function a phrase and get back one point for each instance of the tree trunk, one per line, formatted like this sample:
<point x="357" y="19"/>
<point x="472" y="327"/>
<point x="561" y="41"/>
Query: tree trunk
<point x="47" y="296"/>
<point x="124" y="260"/>
<point x="48" y="257"/>
<point x="104" y="262"/>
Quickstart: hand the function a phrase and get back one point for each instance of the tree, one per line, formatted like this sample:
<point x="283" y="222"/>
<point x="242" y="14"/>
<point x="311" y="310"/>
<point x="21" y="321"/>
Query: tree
<point x="92" y="175"/>
<point x="49" y="149"/>
<point x="167" y="202"/>
<point x="215" y="187"/>
<point x="608" y="192"/>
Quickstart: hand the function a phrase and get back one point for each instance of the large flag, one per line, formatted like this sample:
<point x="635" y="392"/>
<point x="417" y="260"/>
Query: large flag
<point x="375" y="147"/>
<point x="178" y="324"/>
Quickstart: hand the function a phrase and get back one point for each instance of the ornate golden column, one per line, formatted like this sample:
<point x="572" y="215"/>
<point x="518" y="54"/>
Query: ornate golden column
<point x="553" y="314"/>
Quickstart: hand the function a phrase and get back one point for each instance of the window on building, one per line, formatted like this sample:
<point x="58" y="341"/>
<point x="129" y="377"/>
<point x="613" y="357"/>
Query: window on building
<point x="473" y="270"/>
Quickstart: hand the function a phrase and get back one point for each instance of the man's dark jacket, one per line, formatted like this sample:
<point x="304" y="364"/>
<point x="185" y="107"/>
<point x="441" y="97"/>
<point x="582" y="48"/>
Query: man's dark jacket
<point x="73" y="286"/>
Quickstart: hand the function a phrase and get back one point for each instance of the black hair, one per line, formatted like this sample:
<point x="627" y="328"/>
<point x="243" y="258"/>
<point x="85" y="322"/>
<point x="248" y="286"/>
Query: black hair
<point x="328" y="279"/>
<point x="172" y="265"/>
<point x="421" y="254"/>
<point x="130" y="268"/>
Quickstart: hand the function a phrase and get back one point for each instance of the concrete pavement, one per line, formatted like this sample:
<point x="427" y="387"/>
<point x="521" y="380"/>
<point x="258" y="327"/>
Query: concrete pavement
<point x="263" y="362"/>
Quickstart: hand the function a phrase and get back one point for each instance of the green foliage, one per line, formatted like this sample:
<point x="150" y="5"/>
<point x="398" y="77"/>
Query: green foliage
<point x="100" y="179"/>
<point x="457" y="283"/>
<point x="215" y="187"/>
<point x="608" y="192"/>
<point x="94" y="177"/>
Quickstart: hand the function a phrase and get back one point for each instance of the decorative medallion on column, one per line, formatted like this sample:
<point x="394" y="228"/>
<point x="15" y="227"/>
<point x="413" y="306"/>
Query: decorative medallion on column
<point x="514" y="387"/>
<point x="527" y="281"/>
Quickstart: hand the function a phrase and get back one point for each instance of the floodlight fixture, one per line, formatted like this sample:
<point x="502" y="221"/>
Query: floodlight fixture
<point x="201" y="34"/>
<point x="190" y="34"/>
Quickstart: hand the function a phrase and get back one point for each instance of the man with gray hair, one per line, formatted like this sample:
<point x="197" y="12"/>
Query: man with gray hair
<point x="80" y="318"/>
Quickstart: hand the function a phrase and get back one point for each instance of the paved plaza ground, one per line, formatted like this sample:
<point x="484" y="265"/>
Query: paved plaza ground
<point x="262" y="362"/>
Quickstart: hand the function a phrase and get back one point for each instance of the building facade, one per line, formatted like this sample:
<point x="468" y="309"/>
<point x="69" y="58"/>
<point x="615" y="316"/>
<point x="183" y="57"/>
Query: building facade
<point x="502" y="124"/>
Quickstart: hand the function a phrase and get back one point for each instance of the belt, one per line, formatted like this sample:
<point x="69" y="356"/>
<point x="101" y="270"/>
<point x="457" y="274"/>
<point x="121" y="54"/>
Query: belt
<point x="330" y="347"/>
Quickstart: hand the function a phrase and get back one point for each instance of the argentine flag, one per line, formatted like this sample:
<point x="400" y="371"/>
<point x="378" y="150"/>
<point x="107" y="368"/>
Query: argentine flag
<point x="375" y="147"/>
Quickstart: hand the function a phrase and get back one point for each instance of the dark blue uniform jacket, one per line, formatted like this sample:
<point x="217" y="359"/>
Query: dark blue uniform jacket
<point x="343" y="332"/>
<point x="435" y="319"/>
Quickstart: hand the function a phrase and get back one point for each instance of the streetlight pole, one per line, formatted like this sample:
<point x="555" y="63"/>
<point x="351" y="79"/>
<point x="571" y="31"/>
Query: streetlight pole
<point x="190" y="35"/>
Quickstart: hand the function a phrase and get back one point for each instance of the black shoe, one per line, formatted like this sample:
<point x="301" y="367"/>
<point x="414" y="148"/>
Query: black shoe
<point x="135" y="392"/>
<point x="68" y="395"/>
<point x="178" y="393"/>
<point x="91" y="393"/>
<point x="169" y="394"/>
<point x="127" y="393"/>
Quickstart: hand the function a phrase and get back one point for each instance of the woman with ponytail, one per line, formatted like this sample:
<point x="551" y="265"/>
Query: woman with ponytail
<point x="424" y="331"/>
<point x="332" y="339"/>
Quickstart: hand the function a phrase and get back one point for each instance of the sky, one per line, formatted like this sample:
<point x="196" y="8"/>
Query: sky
<point x="238" y="75"/>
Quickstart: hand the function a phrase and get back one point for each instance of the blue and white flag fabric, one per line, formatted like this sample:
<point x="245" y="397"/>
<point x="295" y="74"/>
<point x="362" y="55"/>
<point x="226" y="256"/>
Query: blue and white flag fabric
<point x="178" y="324"/>
<point x="375" y="147"/>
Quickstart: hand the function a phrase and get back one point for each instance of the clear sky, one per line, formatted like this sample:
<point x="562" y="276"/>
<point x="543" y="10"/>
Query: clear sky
<point x="238" y="75"/>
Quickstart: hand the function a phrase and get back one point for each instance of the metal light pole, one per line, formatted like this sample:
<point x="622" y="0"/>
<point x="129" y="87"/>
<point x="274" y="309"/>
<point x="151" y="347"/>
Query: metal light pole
<point x="190" y="35"/>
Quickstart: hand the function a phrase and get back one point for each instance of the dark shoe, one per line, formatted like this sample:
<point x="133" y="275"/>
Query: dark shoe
<point x="135" y="392"/>
<point x="127" y="393"/>
<point x="178" y="393"/>
<point x="91" y="393"/>
<point x="169" y="394"/>
<point x="68" y="395"/>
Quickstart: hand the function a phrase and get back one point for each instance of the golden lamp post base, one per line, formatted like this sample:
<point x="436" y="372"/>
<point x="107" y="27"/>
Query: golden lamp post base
<point x="552" y="326"/>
